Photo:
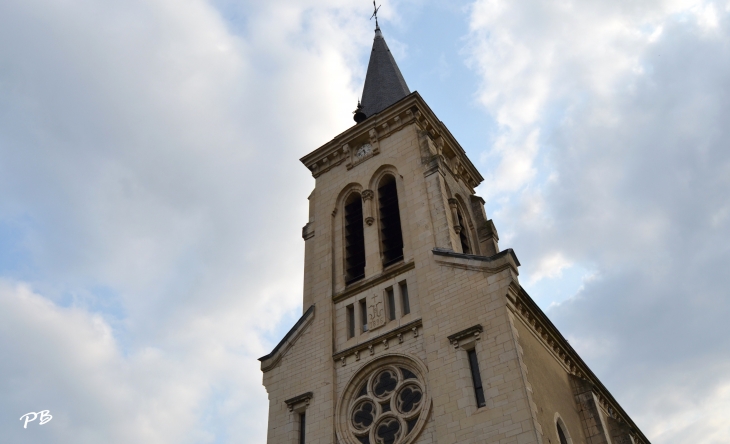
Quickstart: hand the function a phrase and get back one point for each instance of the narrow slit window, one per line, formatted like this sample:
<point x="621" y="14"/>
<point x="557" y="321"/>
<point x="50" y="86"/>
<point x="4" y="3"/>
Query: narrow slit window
<point x="476" y="378"/>
<point x="302" y="427"/>
<point x="462" y="235"/>
<point x="390" y="296"/>
<point x="405" y="303"/>
<point x="561" y="435"/>
<point x="354" y="240"/>
<point x="391" y="237"/>
<point x="350" y="321"/>
<point x="364" y="315"/>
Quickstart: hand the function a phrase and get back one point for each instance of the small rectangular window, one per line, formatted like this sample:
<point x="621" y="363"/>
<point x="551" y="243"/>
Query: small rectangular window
<point x="404" y="298"/>
<point x="476" y="378"/>
<point x="390" y="296"/>
<point x="302" y="425"/>
<point x="364" y="315"/>
<point x="350" y="321"/>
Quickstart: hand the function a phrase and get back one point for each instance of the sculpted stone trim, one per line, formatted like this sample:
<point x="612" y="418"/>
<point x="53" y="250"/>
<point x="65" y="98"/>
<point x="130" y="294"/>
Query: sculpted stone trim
<point x="540" y="326"/>
<point x="363" y="285"/>
<point x="454" y="217"/>
<point x="343" y="147"/>
<point x="308" y="231"/>
<point x="383" y="339"/>
<point x="367" y="197"/>
<point x="473" y="332"/>
<point x="410" y="109"/>
<point x="269" y="361"/>
<point x="440" y="142"/>
<point x="298" y="402"/>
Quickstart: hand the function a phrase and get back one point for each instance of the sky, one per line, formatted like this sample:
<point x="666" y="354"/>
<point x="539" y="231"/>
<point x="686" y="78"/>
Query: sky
<point x="151" y="197"/>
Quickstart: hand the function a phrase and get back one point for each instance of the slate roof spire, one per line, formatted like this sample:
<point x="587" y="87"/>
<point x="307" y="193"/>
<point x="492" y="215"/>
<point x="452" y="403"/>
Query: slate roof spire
<point x="384" y="84"/>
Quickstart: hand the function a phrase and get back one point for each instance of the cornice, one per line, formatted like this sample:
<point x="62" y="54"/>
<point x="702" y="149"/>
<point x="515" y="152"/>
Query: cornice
<point x="505" y="259"/>
<point x="363" y="285"/>
<point x="540" y="326"/>
<point x="382" y="339"/>
<point x="412" y="109"/>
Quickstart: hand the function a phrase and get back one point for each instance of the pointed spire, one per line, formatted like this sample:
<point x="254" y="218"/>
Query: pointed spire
<point x="384" y="84"/>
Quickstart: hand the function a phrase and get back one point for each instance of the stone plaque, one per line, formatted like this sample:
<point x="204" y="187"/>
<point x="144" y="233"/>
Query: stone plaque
<point x="376" y="312"/>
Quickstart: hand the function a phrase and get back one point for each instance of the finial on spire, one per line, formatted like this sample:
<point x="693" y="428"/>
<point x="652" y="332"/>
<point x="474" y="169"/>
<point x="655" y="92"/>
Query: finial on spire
<point x="375" y="14"/>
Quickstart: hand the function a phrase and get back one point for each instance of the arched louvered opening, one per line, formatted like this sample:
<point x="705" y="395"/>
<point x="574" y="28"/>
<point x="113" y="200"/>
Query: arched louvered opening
<point x="465" y="248"/>
<point x="354" y="239"/>
<point x="391" y="237"/>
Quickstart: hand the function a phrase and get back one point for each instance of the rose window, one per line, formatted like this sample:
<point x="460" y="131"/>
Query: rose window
<point x="385" y="403"/>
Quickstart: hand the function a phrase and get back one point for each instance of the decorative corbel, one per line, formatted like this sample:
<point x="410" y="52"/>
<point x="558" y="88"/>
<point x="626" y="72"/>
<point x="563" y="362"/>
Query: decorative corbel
<point x="347" y="152"/>
<point x="439" y="145"/>
<point x="373" y="134"/>
<point x="367" y="197"/>
<point x="454" y="215"/>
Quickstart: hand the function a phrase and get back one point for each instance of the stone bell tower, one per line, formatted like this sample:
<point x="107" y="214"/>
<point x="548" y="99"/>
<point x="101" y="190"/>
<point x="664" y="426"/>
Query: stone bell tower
<point x="415" y="326"/>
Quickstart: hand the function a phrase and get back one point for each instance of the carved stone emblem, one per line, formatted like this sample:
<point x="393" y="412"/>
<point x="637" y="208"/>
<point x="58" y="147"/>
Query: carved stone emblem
<point x="376" y="312"/>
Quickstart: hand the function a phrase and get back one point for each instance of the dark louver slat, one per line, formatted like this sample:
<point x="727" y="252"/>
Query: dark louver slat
<point x="354" y="240"/>
<point x="391" y="237"/>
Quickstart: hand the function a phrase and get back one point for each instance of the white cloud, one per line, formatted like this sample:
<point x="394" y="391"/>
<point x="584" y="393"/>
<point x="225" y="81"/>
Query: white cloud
<point x="630" y="180"/>
<point x="550" y="266"/>
<point x="151" y="196"/>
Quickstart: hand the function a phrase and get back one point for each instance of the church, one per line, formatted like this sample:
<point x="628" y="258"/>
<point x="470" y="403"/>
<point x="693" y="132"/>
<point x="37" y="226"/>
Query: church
<point x="415" y="328"/>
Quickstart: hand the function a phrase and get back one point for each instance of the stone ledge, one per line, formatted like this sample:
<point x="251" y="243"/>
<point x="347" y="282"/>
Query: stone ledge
<point x="370" y="343"/>
<point x="473" y="331"/>
<point x="294" y="402"/>
<point x="363" y="285"/>
<point x="508" y="252"/>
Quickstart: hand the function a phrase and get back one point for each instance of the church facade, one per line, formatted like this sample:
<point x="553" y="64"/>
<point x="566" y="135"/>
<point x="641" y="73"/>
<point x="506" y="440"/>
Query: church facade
<point x="415" y="327"/>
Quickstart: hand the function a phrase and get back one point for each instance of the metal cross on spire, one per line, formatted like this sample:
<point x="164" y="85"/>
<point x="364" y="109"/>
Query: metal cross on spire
<point x="375" y="14"/>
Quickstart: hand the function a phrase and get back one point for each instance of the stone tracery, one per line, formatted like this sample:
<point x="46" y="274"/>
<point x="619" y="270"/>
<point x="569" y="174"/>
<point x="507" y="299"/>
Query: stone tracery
<point x="386" y="403"/>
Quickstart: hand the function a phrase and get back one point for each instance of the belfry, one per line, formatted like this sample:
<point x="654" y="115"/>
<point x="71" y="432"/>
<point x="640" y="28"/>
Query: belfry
<point x="415" y="328"/>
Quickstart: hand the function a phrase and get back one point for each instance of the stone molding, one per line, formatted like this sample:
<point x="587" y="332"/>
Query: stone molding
<point x="300" y="402"/>
<point x="411" y="109"/>
<point x="308" y="231"/>
<point x="362" y="285"/>
<point x="468" y="335"/>
<point x="383" y="339"/>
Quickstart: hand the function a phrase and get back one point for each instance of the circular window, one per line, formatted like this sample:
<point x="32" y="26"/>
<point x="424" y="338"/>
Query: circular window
<point x="386" y="402"/>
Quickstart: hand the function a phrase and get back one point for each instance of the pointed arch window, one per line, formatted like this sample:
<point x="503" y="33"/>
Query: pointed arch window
<point x="563" y="434"/>
<point x="354" y="239"/>
<point x="391" y="236"/>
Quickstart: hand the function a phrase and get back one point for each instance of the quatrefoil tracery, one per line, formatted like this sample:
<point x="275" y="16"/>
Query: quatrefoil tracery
<point x="387" y="406"/>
